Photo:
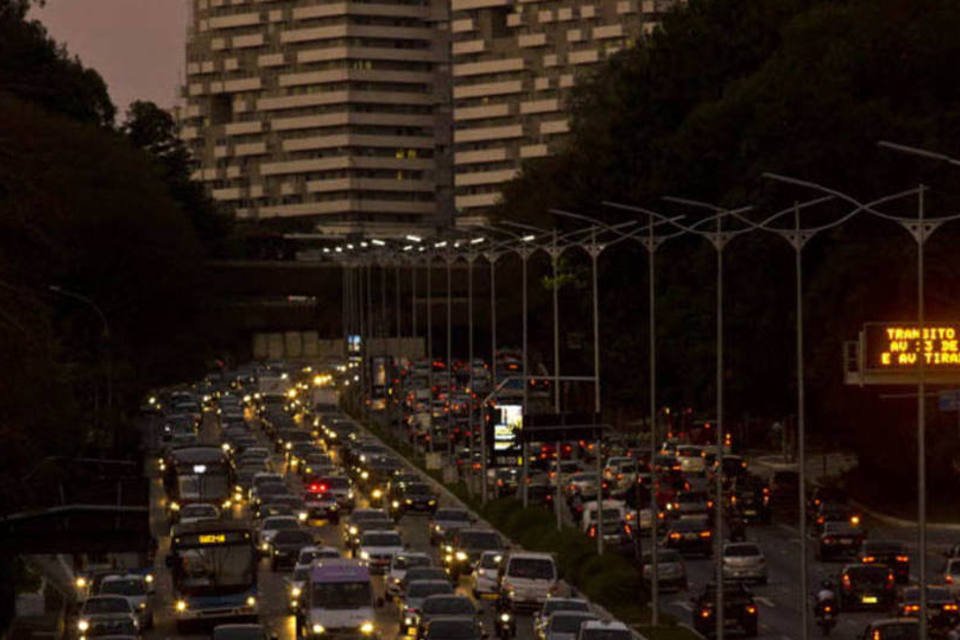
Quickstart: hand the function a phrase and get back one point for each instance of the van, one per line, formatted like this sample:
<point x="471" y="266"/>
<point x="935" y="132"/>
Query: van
<point x="527" y="579"/>
<point x="338" y="600"/>
<point x="616" y="529"/>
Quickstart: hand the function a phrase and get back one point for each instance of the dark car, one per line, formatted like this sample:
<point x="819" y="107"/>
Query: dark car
<point x="440" y="605"/>
<point x="454" y="628"/>
<point x="466" y="547"/>
<point x="750" y="499"/>
<point x="415" y="574"/>
<point x="825" y="494"/>
<point x="447" y="520"/>
<point x="362" y="520"/>
<point x="892" y="629"/>
<point x="942" y="610"/>
<point x="285" y="547"/>
<point x="739" y="610"/>
<point x="784" y="488"/>
<point x="838" y="538"/>
<point x="866" y="586"/>
<point x="241" y="632"/>
<point x="413" y="496"/>
<point x="835" y="512"/>
<point x="691" y="535"/>
<point x="893" y="554"/>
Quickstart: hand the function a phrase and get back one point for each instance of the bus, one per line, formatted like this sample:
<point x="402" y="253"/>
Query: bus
<point x="213" y="566"/>
<point x="197" y="474"/>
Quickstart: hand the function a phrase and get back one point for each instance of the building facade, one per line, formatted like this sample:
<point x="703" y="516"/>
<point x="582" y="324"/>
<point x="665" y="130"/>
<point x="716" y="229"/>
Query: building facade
<point x="326" y="114"/>
<point x="383" y="117"/>
<point x="514" y="63"/>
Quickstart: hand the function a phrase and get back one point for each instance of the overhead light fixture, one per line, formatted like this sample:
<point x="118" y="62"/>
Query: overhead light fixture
<point x="440" y="245"/>
<point x="476" y="240"/>
<point x="363" y="244"/>
<point x="456" y="245"/>
<point x="529" y="238"/>
<point x="422" y="249"/>
<point x="326" y="249"/>
<point x="413" y="238"/>
<point x="377" y="242"/>
<point x="408" y="247"/>
<point x="349" y="246"/>
<point x="339" y="249"/>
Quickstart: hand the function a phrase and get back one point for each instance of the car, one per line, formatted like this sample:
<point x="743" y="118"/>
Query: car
<point x="951" y="574"/>
<point x="892" y="629"/>
<point x="361" y="520"/>
<point x="866" y="586"/>
<point x="241" y="632"/>
<point x="453" y="628"/>
<point x="269" y="528"/>
<point x="413" y="497"/>
<point x="286" y="545"/>
<point x="604" y="630"/>
<point x="527" y="579"/>
<point x="687" y="504"/>
<point x="889" y="552"/>
<point x="445" y="520"/>
<point x="198" y="512"/>
<point x="377" y="547"/>
<point x="565" y="625"/>
<point x="415" y="574"/>
<point x="835" y="512"/>
<point x="744" y="561"/>
<point x="484" y="581"/>
<point x="400" y="563"/>
<point x="819" y="495"/>
<point x="838" y="538"/>
<point x="106" y="611"/>
<point x="671" y="571"/>
<point x="552" y="605"/>
<point x="739" y="609"/>
<point x="750" y="499"/>
<point x="416" y="592"/>
<point x="690" y="535"/>
<point x="463" y="552"/>
<point x="136" y="590"/>
<point x="583" y="484"/>
<point x="112" y="629"/>
<point x="440" y="605"/>
<point x="942" y="609"/>
<point x="340" y="488"/>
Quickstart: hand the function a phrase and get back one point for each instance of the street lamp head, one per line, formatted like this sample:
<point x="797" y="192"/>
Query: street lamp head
<point x="529" y="238"/>
<point x="377" y="242"/>
<point x="476" y="240"/>
<point x="413" y="238"/>
<point x="408" y="247"/>
<point x="440" y="245"/>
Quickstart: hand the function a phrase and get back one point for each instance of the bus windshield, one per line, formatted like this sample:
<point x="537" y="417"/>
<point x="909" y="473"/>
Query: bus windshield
<point x="215" y="568"/>
<point x="212" y="487"/>
<point x="341" y="595"/>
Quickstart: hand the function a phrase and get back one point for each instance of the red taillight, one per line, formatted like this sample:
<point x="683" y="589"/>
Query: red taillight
<point x="903" y="558"/>
<point x="828" y="540"/>
<point x="627" y="529"/>
<point x="868" y="559"/>
<point x="950" y="607"/>
<point x="845" y="581"/>
<point x="827" y="608"/>
<point x="705" y="534"/>
<point x="948" y="579"/>
<point x="752" y="610"/>
<point x="592" y="532"/>
<point x="890" y="580"/>
<point x="675" y="536"/>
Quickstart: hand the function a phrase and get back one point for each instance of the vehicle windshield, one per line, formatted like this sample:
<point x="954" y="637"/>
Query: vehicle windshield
<point x="741" y="550"/>
<point x="124" y="587"/>
<point x="424" y="589"/>
<point x="868" y="573"/>
<point x="480" y="540"/>
<point x="451" y="515"/>
<point x="203" y="487"/>
<point x="106" y="605"/>
<point x="336" y="482"/>
<point x="609" y="515"/>
<point x="276" y="524"/>
<point x="293" y="536"/>
<point x="448" y="606"/>
<point x="560" y="623"/>
<point x="198" y="511"/>
<point x="406" y="562"/>
<point x="692" y="497"/>
<point x="341" y="595"/>
<point x="425" y="573"/>
<point x="492" y="561"/>
<point x="531" y="568"/>
<point x="605" y="634"/>
<point x="452" y="629"/>
<point x="381" y="540"/>
<point x="210" y="568"/>
<point x="418" y="489"/>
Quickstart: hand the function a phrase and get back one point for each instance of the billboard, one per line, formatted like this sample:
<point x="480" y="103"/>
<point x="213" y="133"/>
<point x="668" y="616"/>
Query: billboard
<point x="902" y="346"/>
<point x="507" y="424"/>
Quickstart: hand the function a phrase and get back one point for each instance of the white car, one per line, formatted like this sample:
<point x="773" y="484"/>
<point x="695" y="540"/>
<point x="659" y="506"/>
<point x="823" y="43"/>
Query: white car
<point x="528" y="579"/>
<point x="600" y="630"/>
<point x="135" y="589"/>
<point x="269" y="528"/>
<point x="100" y="611"/>
<point x="399" y="565"/>
<point x="744" y="561"/>
<point x="198" y="512"/>
<point x="585" y="483"/>
<point x="565" y="625"/>
<point x="483" y="578"/>
<point x="377" y="548"/>
<point x="691" y="458"/>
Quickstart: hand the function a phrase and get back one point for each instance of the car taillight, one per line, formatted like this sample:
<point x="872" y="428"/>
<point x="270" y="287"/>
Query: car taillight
<point x="889" y="584"/>
<point x="706" y="534"/>
<point x="627" y="529"/>
<point x="592" y="532"/>
<point x="868" y="559"/>
<point x="950" y="606"/>
<point x="704" y="613"/>
<point x="845" y="581"/>
<point x="827" y="608"/>
<point x="911" y="608"/>
<point x="903" y="558"/>
<point x="828" y="540"/>
<point x="948" y="579"/>
<point x="751" y="609"/>
<point x="820" y="520"/>
<point x="674" y="536"/>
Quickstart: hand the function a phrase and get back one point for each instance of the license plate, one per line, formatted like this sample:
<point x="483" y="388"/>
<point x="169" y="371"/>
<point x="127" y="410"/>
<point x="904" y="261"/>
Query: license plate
<point x="869" y="600"/>
<point x="750" y="512"/>
<point x="689" y="536"/>
<point x="411" y="631"/>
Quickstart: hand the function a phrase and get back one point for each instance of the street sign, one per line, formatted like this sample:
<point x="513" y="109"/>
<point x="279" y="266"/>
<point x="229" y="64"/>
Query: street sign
<point x="897" y="353"/>
<point x="949" y="400"/>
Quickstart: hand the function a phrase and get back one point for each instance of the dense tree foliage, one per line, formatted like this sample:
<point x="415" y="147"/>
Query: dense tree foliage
<point x="726" y="91"/>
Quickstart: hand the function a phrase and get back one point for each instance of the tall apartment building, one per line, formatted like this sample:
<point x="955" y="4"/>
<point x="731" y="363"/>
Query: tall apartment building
<point x="334" y="114"/>
<point x="514" y="62"/>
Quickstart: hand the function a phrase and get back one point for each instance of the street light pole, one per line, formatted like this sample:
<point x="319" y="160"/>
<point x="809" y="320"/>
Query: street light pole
<point x="471" y="409"/>
<point x="449" y="260"/>
<point x="492" y="257"/>
<point x="430" y="432"/>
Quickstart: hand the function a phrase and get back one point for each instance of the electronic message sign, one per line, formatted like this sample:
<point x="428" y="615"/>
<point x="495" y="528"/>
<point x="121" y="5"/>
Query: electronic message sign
<point x="904" y="346"/>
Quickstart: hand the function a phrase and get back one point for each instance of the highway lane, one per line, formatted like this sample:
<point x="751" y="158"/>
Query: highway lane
<point x="273" y="599"/>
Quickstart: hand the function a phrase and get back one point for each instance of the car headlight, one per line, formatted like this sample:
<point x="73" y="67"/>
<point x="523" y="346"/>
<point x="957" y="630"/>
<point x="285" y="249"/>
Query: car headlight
<point x="181" y="605"/>
<point x="295" y="592"/>
<point x="142" y="606"/>
<point x="350" y="494"/>
<point x="367" y="628"/>
<point x="365" y="475"/>
<point x="302" y="516"/>
<point x="376" y="494"/>
<point x="148" y="578"/>
<point x="352" y="530"/>
<point x="395" y="504"/>
<point x="81" y="582"/>
<point x="431" y="502"/>
<point x="251" y="601"/>
<point x="83" y="625"/>
<point x="174" y="506"/>
<point x="318" y="629"/>
<point x="265" y="546"/>
<point x="288" y="446"/>
<point x="227" y="504"/>
<point x="461" y="556"/>
<point x="504" y="617"/>
<point x="364" y="555"/>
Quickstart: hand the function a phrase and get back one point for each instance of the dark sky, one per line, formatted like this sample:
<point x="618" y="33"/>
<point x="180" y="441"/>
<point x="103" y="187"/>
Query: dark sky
<point x="136" y="45"/>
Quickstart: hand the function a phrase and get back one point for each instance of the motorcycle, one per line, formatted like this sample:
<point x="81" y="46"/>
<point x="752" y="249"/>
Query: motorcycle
<point x="826" y="612"/>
